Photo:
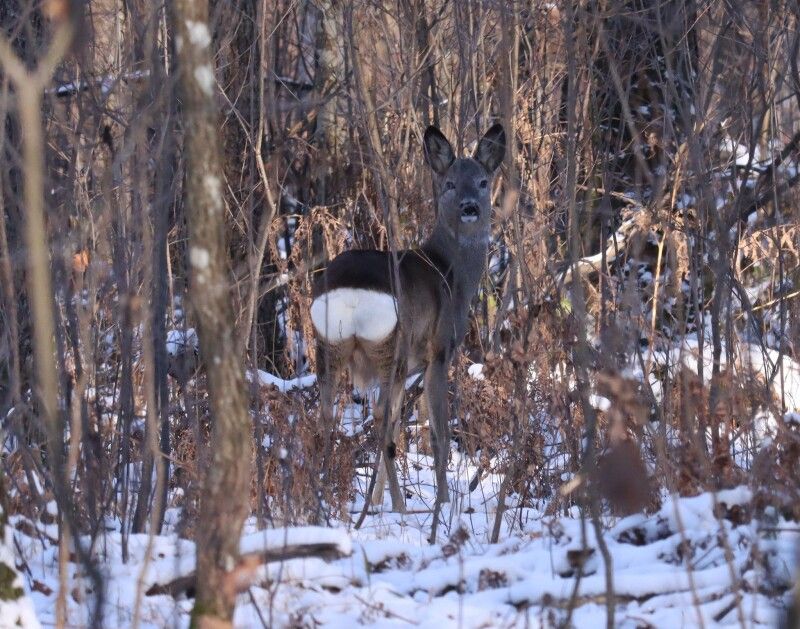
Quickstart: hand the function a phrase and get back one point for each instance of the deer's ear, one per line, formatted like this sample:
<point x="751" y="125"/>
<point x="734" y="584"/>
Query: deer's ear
<point x="438" y="152"/>
<point x="492" y="148"/>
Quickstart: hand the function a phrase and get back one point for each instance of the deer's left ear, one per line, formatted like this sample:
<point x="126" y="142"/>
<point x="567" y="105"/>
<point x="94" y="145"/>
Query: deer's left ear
<point x="492" y="148"/>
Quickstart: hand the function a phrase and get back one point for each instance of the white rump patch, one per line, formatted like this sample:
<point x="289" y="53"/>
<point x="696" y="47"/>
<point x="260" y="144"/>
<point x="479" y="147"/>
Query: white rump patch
<point x="344" y="313"/>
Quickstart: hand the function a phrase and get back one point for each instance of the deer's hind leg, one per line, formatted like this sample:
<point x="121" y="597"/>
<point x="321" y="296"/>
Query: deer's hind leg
<point x="391" y="427"/>
<point x="331" y="360"/>
<point x="388" y="420"/>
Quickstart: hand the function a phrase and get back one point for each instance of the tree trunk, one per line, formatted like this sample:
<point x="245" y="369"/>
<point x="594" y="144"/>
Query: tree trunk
<point x="224" y="503"/>
<point x="330" y="133"/>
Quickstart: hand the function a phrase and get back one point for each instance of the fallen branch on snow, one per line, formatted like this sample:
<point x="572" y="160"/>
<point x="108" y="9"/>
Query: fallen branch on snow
<point x="262" y="548"/>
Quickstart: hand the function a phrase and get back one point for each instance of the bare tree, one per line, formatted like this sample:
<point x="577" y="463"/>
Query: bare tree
<point x="224" y="503"/>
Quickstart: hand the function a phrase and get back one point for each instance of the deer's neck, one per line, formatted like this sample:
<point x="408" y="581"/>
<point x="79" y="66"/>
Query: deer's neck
<point x="464" y="257"/>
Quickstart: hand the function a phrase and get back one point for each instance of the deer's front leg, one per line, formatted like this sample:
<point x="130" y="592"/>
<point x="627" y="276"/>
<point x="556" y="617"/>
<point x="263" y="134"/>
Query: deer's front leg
<point x="439" y="417"/>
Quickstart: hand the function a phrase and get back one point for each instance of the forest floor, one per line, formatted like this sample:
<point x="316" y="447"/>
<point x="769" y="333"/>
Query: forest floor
<point x="699" y="561"/>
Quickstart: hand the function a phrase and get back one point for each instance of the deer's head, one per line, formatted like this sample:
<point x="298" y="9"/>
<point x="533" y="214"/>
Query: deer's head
<point x="465" y="184"/>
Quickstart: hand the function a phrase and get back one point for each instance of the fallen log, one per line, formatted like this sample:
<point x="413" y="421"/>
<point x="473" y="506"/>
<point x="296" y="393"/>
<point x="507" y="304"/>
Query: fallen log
<point x="262" y="548"/>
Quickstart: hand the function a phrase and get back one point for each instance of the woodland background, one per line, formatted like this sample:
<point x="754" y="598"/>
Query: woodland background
<point x="643" y="280"/>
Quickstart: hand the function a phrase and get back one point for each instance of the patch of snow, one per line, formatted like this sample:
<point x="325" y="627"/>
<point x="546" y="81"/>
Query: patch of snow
<point x="275" y="539"/>
<point x="739" y="152"/>
<point x="204" y="76"/>
<point x="213" y="188"/>
<point x="476" y="371"/>
<point x="770" y="366"/>
<point x="16" y="608"/>
<point x="303" y="382"/>
<point x="180" y="340"/>
<point x="670" y="568"/>
<point x="199" y="258"/>
<point x="198" y="33"/>
<point x="599" y="402"/>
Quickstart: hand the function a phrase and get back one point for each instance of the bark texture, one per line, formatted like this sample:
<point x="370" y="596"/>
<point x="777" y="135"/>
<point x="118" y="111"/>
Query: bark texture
<point x="224" y="504"/>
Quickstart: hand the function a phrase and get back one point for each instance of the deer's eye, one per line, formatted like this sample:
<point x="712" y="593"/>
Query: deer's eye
<point x="484" y="183"/>
<point x="449" y="185"/>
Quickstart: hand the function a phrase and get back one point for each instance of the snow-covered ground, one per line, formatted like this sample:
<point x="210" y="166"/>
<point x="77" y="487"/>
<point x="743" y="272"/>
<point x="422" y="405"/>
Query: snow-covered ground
<point x="699" y="560"/>
<point x="708" y="560"/>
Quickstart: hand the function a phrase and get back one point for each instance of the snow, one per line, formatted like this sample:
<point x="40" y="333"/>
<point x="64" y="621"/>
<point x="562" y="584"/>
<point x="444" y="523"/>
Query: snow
<point x="273" y="539"/>
<point x="204" y="76"/>
<point x="267" y="379"/>
<point x="708" y="558"/>
<point x="16" y="609"/>
<point x="199" y="258"/>
<point x="198" y="33"/>
<point x="476" y="371"/>
<point x="105" y="83"/>
<point x="167" y="566"/>
<point x="740" y="152"/>
<point x="179" y="341"/>
<point x="670" y="568"/>
<point x="780" y="372"/>
<point x="212" y="183"/>
<point x="599" y="402"/>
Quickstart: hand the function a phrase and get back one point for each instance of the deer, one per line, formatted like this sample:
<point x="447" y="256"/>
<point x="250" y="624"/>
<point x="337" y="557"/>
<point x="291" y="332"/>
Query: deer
<point x="387" y="316"/>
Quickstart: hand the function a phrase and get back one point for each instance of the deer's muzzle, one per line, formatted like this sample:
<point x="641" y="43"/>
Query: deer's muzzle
<point x="470" y="213"/>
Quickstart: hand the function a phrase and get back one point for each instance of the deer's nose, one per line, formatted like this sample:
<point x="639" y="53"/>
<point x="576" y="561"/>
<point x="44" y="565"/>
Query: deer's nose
<point x="470" y="211"/>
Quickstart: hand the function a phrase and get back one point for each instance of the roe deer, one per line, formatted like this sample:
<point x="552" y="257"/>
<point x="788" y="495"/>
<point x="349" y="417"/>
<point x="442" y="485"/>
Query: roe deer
<point x="387" y="317"/>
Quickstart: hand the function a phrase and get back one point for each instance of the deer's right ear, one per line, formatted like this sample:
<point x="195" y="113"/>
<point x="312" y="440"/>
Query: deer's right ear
<point x="438" y="152"/>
